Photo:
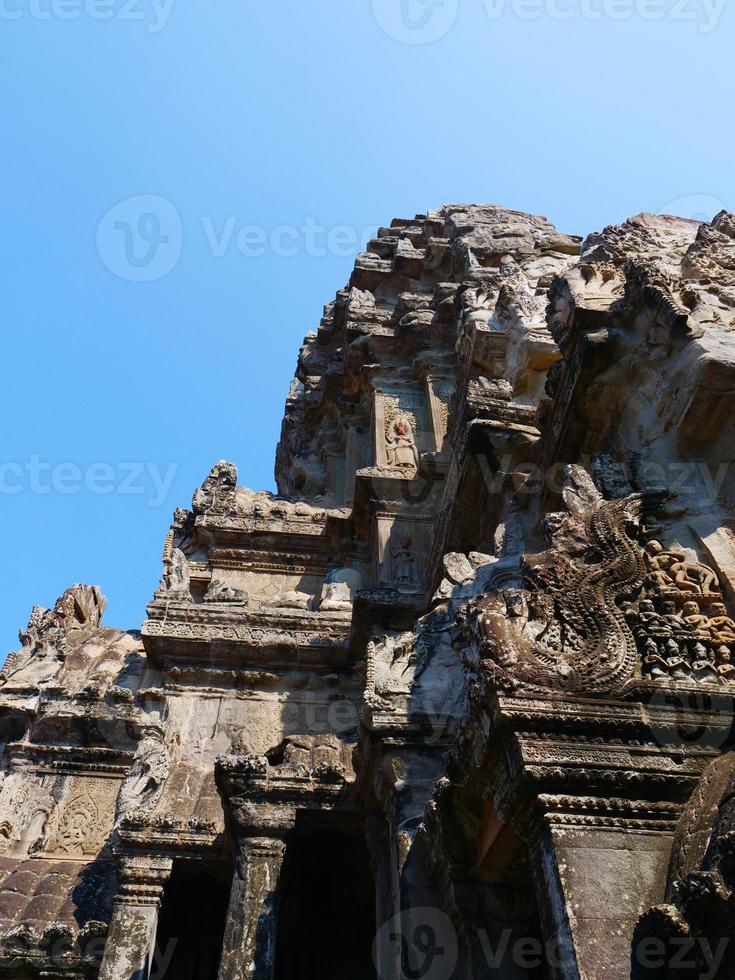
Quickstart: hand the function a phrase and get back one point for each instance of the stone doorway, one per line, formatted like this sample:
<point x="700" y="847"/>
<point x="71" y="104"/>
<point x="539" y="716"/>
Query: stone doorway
<point x="191" y="923"/>
<point x="326" y="912"/>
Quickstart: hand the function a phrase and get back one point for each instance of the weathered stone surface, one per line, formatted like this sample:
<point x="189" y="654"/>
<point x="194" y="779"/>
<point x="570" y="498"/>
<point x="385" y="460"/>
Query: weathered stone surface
<point x="485" y="629"/>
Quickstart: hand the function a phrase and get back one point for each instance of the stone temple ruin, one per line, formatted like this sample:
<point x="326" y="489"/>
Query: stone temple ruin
<point x="457" y="702"/>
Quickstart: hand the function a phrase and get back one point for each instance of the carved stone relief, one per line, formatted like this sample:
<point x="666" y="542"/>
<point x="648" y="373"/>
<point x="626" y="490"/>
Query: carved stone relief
<point x="144" y="783"/>
<point x="84" y="819"/>
<point x="178" y="577"/>
<point x="598" y="611"/>
<point x="402" y="547"/>
<point x="217" y="494"/>
<point x="26" y="805"/>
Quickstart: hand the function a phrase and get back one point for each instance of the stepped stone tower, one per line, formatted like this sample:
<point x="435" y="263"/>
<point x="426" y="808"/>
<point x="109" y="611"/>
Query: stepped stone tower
<point x="457" y="702"/>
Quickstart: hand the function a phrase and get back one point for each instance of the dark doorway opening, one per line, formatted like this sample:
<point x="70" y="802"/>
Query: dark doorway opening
<point x="326" y="912"/>
<point x="191" y="925"/>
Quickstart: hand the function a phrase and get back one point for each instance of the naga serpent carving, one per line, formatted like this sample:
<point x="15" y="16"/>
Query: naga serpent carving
<point x="589" y="600"/>
<point x="566" y="630"/>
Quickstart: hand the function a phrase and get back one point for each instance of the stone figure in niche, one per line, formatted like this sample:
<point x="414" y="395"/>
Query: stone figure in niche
<point x="722" y="628"/>
<point x="77" y="826"/>
<point x="178" y="577"/>
<point x="724" y="663"/>
<point x="654" y="664"/>
<point x="400" y="445"/>
<point x="703" y="666"/>
<point x="676" y="666"/>
<point x="405" y="568"/>
<point x="144" y="782"/>
<point x="697" y="623"/>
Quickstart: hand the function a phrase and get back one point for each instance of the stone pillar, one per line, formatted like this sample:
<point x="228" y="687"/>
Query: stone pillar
<point x="387" y="952"/>
<point x="592" y="883"/>
<point x="131" y="940"/>
<point x="249" y="948"/>
<point x="416" y="911"/>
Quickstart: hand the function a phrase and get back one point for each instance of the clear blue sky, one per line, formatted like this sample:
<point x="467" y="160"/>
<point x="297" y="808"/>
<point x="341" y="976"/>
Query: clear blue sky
<point x="300" y="120"/>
